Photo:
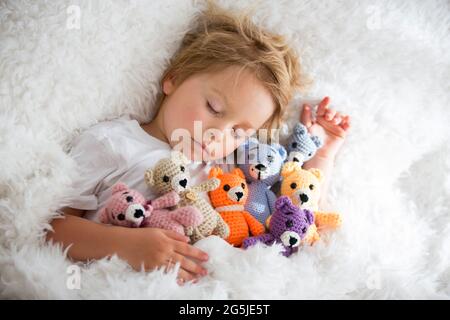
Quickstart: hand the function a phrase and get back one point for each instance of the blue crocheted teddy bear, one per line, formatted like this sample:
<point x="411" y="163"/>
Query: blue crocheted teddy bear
<point x="301" y="146"/>
<point x="261" y="164"/>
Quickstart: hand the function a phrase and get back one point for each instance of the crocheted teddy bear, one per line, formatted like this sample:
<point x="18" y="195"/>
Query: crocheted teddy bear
<point x="229" y="200"/>
<point x="288" y="226"/>
<point x="261" y="164"/>
<point x="301" y="146"/>
<point x="170" y="174"/>
<point x="303" y="188"/>
<point x="128" y="208"/>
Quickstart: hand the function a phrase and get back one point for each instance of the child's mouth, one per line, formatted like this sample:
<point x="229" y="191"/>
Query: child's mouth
<point x="203" y="146"/>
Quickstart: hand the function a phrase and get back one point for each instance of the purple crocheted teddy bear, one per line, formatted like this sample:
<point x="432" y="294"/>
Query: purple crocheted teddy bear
<point x="288" y="226"/>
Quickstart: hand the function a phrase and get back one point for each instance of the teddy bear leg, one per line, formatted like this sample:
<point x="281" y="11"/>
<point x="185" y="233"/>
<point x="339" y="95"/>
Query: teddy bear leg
<point x="222" y="229"/>
<point x="288" y="251"/>
<point x="266" y="238"/>
<point x="196" y="235"/>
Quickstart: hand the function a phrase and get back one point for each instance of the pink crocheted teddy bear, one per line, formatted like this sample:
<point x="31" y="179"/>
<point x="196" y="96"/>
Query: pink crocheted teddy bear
<point x="128" y="208"/>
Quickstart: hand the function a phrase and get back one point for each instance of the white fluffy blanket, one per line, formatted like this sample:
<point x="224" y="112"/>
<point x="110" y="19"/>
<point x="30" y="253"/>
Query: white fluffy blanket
<point x="66" y="65"/>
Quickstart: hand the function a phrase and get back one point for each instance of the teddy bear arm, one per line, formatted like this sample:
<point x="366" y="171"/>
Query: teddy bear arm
<point x="188" y="216"/>
<point x="327" y="219"/>
<point x="312" y="235"/>
<point x="170" y="199"/>
<point x="271" y="199"/>
<point x="256" y="227"/>
<point x="208" y="185"/>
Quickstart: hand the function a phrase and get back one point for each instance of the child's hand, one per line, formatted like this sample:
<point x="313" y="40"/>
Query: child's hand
<point x="330" y="125"/>
<point x="157" y="247"/>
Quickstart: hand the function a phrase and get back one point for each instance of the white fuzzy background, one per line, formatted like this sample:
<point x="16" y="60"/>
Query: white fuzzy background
<point x="387" y="63"/>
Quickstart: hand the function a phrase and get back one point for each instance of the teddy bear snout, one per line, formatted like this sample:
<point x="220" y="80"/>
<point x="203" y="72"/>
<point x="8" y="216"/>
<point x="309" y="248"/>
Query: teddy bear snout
<point x="303" y="197"/>
<point x="290" y="239"/>
<point x="236" y="193"/>
<point x="259" y="171"/>
<point x="183" y="183"/>
<point x="180" y="182"/>
<point x="296" y="157"/>
<point x="261" y="167"/>
<point x="135" y="214"/>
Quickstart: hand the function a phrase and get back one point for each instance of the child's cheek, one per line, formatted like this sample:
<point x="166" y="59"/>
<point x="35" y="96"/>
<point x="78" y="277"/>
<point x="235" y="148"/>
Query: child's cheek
<point x="196" y="117"/>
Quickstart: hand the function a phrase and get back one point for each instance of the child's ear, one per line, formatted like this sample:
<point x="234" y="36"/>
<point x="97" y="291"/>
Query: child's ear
<point x="168" y="85"/>
<point x="119" y="187"/>
<point x="317" y="173"/>
<point x="238" y="172"/>
<point x="215" y="172"/>
<point x="289" y="168"/>
<point x="149" y="177"/>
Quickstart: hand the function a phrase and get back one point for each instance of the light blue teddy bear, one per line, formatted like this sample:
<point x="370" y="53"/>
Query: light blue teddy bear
<point x="261" y="164"/>
<point x="301" y="146"/>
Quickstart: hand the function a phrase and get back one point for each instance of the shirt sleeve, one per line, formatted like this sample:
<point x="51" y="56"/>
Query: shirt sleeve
<point x="95" y="160"/>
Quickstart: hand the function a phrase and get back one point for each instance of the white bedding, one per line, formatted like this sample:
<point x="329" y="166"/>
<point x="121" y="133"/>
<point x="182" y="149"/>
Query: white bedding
<point x="386" y="63"/>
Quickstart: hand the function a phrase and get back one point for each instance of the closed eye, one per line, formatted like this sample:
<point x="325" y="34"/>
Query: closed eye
<point x="211" y="109"/>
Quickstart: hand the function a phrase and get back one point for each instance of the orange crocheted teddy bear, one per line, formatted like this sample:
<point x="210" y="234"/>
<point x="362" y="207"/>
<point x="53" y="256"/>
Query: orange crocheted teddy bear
<point x="229" y="200"/>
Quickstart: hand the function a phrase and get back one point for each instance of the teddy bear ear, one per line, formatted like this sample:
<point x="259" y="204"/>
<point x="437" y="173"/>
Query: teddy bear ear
<point x="249" y="142"/>
<point x="215" y="172"/>
<point x="238" y="172"/>
<point x="309" y="216"/>
<point x="282" y="202"/>
<point x="317" y="172"/>
<point x="300" y="129"/>
<point x="289" y="168"/>
<point x="280" y="149"/>
<point x="317" y="141"/>
<point x="149" y="177"/>
<point x="179" y="157"/>
<point x="243" y="149"/>
<point x="118" y="187"/>
<point x="103" y="216"/>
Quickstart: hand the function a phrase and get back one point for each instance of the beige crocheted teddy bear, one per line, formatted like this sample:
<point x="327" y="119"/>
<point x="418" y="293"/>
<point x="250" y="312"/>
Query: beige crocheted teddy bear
<point x="171" y="174"/>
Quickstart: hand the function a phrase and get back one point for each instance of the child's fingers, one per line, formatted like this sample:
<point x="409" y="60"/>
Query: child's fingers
<point x="190" y="251"/>
<point x="184" y="276"/>
<point x="329" y="114"/>
<point x="345" y="124"/>
<point x="189" y="265"/>
<point x="337" y="118"/>
<point x="305" y="117"/>
<point x="176" y="236"/>
<point x="323" y="105"/>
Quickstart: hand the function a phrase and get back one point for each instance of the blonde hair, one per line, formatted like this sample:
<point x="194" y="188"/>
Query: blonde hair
<point x="220" y="39"/>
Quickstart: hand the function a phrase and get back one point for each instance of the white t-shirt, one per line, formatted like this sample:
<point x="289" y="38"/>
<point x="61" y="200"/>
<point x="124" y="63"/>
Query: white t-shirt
<point x="119" y="150"/>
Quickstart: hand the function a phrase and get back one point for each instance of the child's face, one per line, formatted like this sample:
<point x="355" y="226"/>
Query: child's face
<point x="210" y="107"/>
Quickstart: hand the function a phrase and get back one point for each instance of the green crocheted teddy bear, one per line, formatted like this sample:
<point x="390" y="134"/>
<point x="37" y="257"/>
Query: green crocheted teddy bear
<point x="171" y="174"/>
